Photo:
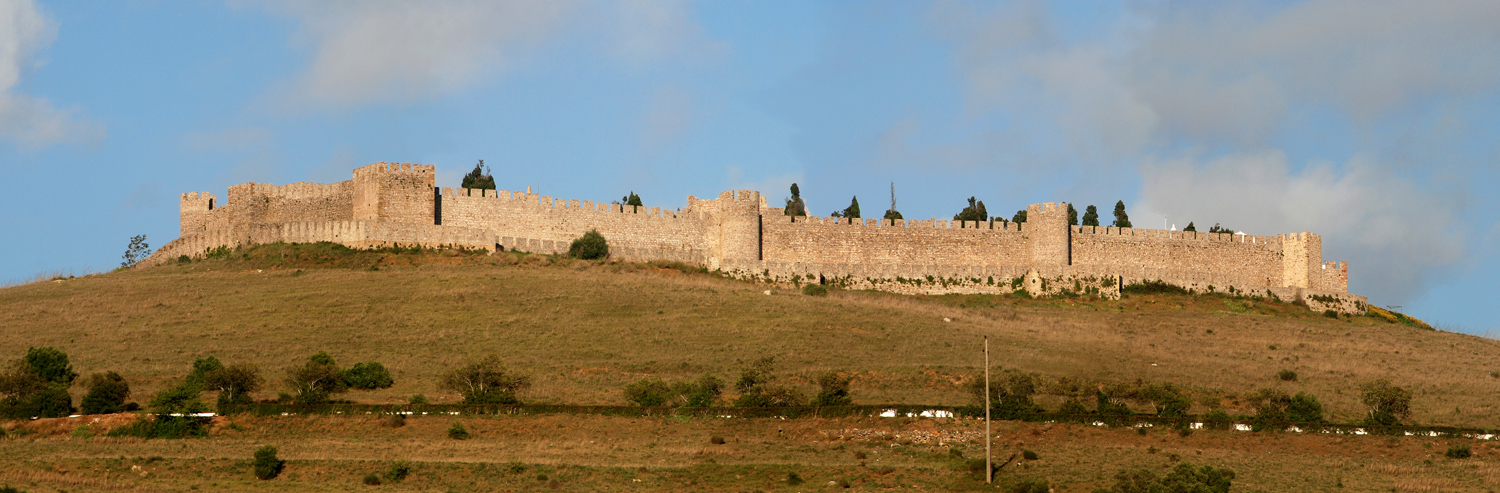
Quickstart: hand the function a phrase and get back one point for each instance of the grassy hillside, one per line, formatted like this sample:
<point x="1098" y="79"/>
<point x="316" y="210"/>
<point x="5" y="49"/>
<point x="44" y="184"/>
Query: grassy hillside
<point x="583" y="330"/>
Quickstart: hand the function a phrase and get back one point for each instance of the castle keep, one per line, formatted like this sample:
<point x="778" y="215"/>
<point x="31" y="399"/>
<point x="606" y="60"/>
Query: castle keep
<point x="738" y="233"/>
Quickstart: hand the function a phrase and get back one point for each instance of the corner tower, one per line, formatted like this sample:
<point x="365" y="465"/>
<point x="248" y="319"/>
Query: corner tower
<point x="395" y="192"/>
<point x="1049" y="234"/>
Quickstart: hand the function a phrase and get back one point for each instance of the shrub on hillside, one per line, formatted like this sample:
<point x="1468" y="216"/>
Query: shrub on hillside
<point x="757" y="389"/>
<point x="458" y="432"/>
<point x="106" y="395"/>
<point x="399" y="471"/>
<point x="1217" y="419"/>
<point x="1030" y="486"/>
<point x="1010" y="395"/>
<point x="235" y="383"/>
<point x="1167" y="399"/>
<point x="815" y="290"/>
<point x="1304" y="409"/>
<point x="37" y="385"/>
<point x="368" y="376"/>
<point x="649" y="392"/>
<point x="267" y="465"/>
<point x="1153" y="287"/>
<point x="1184" y="477"/>
<point x="316" y="379"/>
<point x="485" y="382"/>
<point x="833" y="390"/>
<point x="1460" y="451"/>
<point x="1388" y="404"/>
<point x="1287" y="375"/>
<point x="590" y="246"/>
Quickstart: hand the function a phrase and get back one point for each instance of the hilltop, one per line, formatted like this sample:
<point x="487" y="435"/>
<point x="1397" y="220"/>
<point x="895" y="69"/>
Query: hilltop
<point x="584" y="329"/>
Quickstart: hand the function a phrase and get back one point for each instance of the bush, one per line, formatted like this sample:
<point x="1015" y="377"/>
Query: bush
<point x="792" y="479"/>
<point x="399" y="471"/>
<point x="1073" y="407"/>
<point x="1153" y="287"/>
<point x="372" y="479"/>
<point x="51" y="365"/>
<point x="815" y="290"/>
<point x="756" y="389"/>
<point x="1217" y="419"/>
<point x="1010" y="394"/>
<point x="162" y="426"/>
<point x="396" y="420"/>
<point x="1458" y="452"/>
<point x="486" y="382"/>
<point x="316" y="379"/>
<point x="1287" y="375"/>
<point x="590" y="246"/>
<point x="458" y="432"/>
<point x="1184" y="477"/>
<point x="1031" y="486"/>
<point x="1304" y="409"/>
<point x="833" y="390"/>
<point x="1388" y="404"/>
<point x="1028" y="455"/>
<point x="1167" y="399"/>
<point x="717" y="440"/>
<point x="368" y="376"/>
<point x="267" y="466"/>
<point x="235" y="383"/>
<point x="648" y="392"/>
<point x="201" y="368"/>
<point x="106" y="395"/>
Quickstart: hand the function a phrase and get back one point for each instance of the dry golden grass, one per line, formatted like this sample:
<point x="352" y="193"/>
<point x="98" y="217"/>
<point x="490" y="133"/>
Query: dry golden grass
<point x="583" y="330"/>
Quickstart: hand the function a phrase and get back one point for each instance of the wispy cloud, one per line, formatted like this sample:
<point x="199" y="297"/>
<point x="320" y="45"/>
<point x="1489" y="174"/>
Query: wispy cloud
<point x="32" y="122"/>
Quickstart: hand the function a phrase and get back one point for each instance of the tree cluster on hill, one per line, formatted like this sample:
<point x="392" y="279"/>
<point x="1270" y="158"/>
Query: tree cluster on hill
<point x="973" y="212"/>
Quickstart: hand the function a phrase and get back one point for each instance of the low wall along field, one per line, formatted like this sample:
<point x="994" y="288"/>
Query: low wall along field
<point x="737" y="233"/>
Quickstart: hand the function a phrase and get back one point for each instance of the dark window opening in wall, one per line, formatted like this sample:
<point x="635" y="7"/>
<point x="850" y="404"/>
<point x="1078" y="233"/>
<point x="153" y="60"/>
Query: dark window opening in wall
<point x="437" y="206"/>
<point x="499" y="247"/>
<point x="821" y="280"/>
<point x="210" y="204"/>
<point x="760" y="237"/>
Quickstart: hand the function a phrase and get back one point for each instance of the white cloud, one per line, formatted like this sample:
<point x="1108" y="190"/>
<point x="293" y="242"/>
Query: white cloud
<point x="32" y="122"/>
<point x="385" y="51"/>
<point x="1396" y="237"/>
<point x="647" y="31"/>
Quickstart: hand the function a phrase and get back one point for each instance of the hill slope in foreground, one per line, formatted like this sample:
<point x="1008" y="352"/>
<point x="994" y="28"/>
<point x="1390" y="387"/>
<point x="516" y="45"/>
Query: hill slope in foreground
<point x="583" y="330"/>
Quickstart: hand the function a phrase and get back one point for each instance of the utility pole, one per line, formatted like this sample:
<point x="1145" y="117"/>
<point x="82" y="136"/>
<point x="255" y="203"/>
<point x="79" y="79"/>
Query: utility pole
<point x="989" y="471"/>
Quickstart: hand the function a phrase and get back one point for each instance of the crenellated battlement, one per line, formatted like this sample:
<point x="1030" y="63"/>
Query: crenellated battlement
<point x="739" y="233"/>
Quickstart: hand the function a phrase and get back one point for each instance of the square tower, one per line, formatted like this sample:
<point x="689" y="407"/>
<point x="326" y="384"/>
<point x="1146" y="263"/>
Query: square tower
<point x="395" y="192"/>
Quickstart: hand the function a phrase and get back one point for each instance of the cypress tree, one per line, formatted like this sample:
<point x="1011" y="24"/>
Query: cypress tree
<point x="1122" y="220"/>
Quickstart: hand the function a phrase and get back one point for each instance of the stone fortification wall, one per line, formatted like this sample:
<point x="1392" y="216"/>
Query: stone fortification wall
<point x="1243" y="260"/>
<point x="530" y="222"/>
<point x="395" y="192"/>
<point x="396" y="203"/>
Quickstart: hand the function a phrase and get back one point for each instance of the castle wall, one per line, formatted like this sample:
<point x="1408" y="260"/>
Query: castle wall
<point x="396" y="203"/>
<point x="534" y="223"/>
<point x="1243" y="260"/>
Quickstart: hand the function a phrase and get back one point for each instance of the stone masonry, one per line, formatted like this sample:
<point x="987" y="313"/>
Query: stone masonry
<point x="739" y="234"/>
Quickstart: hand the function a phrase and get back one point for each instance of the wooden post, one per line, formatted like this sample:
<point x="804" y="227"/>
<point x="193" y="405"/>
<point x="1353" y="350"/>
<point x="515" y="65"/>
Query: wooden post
<point x="989" y="471"/>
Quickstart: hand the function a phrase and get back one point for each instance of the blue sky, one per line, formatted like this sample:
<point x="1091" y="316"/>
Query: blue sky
<point x="1374" y="124"/>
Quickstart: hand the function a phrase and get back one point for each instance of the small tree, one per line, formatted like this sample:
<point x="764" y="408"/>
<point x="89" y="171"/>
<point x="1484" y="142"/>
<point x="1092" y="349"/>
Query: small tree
<point x="973" y="212"/>
<point x="1303" y="408"/>
<point x="479" y="178"/>
<point x="706" y="391"/>
<point x="51" y="365"/>
<point x="1270" y="404"/>
<point x="137" y="251"/>
<point x="316" y="379"/>
<point x="1167" y="399"/>
<point x="1388" y="403"/>
<point x="1122" y="220"/>
<point x="795" y="206"/>
<point x="833" y="390"/>
<point x="1091" y="216"/>
<point x="106" y="394"/>
<point x="590" y="246"/>
<point x="235" y="383"/>
<point x="632" y="200"/>
<point x="1190" y="227"/>
<point x="369" y="376"/>
<point x="757" y="390"/>
<point x="648" y="392"/>
<point x="1020" y="216"/>
<point x="1010" y="395"/>
<point x="1217" y="229"/>
<point x="201" y="368"/>
<point x="267" y="465"/>
<point x="851" y="212"/>
<point x="891" y="214"/>
<point x="486" y="382"/>
<point x="1072" y="215"/>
